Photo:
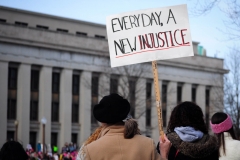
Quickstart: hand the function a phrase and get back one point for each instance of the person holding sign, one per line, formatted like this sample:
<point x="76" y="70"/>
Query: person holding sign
<point x="189" y="136"/>
<point x="222" y="126"/>
<point x="120" y="136"/>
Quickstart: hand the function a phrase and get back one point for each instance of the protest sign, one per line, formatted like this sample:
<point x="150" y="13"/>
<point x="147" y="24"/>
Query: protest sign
<point x="149" y="35"/>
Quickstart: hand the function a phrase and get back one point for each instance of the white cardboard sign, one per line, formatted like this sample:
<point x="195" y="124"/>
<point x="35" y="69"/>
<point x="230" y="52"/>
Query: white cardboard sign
<point x="149" y="35"/>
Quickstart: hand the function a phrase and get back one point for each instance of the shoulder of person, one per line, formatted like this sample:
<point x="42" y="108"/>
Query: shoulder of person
<point x="142" y="137"/>
<point x="233" y="142"/>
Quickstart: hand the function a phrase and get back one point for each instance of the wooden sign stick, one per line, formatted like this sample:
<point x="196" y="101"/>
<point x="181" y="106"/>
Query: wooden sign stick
<point x="158" y="98"/>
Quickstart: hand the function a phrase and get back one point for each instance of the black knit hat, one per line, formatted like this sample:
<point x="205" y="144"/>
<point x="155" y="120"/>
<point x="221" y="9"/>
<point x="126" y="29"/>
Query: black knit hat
<point x="111" y="109"/>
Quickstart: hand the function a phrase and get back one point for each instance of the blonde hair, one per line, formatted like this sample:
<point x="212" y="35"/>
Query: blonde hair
<point x="94" y="136"/>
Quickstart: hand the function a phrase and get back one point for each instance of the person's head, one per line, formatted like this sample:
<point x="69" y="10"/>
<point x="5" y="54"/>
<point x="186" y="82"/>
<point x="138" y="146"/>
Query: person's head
<point x="187" y="114"/>
<point x="12" y="150"/>
<point x="113" y="109"/>
<point x="220" y="123"/>
<point x="29" y="147"/>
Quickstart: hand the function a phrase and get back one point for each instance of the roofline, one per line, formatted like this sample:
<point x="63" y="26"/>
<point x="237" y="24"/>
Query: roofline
<point x="73" y="20"/>
<point x="51" y="16"/>
<point x="211" y="57"/>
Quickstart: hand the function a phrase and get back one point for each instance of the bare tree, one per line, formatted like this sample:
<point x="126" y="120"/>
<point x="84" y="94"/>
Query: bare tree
<point x="131" y="87"/>
<point x="127" y="79"/>
<point x="231" y="9"/>
<point x="231" y="90"/>
<point x="133" y="84"/>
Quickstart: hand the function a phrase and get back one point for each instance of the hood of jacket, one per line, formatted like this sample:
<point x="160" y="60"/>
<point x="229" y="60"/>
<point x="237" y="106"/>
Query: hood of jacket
<point x="197" y="149"/>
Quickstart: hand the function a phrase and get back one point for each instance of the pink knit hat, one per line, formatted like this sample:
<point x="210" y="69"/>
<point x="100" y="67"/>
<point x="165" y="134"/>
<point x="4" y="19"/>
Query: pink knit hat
<point x="223" y="126"/>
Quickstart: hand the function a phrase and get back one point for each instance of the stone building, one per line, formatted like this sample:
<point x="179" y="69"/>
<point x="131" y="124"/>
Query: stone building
<point x="58" y="68"/>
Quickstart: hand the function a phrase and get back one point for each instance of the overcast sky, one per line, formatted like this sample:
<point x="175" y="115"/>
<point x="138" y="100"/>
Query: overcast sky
<point x="204" y="29"/>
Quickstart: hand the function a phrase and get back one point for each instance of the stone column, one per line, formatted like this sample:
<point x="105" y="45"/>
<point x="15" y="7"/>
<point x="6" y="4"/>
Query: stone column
<point x="171" y="98"/>
<point x="187" y="92"/>
<point x="201" y="98"/>
<point x="23" y="102"/>
<point x="140" y="108"/>
<point x="85" y="105"/>
<point x="65" y="107"/>
<point x="3" y="101"/>
<point x="45" y="102"/>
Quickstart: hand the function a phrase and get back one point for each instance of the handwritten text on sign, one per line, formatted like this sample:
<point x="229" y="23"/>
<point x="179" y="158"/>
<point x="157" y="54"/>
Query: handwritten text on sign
<point x="148" y="35"/>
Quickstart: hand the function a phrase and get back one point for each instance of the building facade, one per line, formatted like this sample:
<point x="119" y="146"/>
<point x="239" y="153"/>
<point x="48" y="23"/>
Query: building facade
<point x="57" y="68"/>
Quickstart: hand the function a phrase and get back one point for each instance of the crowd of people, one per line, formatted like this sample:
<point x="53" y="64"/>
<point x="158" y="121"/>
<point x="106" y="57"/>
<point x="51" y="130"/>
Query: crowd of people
<point x="118" y="137"/>
<point x="69" y="152"/>
<point x="187" y="136"/>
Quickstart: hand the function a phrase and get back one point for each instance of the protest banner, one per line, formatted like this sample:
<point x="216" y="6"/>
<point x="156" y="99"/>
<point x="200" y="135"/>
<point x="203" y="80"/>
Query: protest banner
<point x="149" y="35"/>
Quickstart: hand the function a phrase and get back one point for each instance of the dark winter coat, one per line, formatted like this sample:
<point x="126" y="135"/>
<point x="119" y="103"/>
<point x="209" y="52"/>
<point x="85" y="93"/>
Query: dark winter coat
<point x="203" y="149"/>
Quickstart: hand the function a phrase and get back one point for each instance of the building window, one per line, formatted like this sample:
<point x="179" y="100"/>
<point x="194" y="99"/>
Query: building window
<point x="54" y="139"/>
<point x="148" y="102"/>
<point x="132" y="93"/>
<point x="12" y="109"/>
<point x="164" y="102"/>
<point x="12" y="78"/>
<point x="33" y="140"/>
<point x="75" y="111"/>
<point x="75" y="84"/>
<point x="34" y="111"/>
<point x="99" y="36"/>
<point x="34" y="80"/>
<point x="55" y="96"/>
<point x="75" y="97"/>
<point x="194" y="92"/>
<point x="55" y="82"/>
<point x="10" y="135"/>
<point x="62" y="30"/>
<point x="12" y="92"/>
<point x="74" y="138"/>
<point x="55" y="112"/>
<point x="95" y="88"/>
<point x="42" y="27"/>
<point x="81" y="34"/>
<point x="21" y="24"/>
<point x="179" y="92"/>
<point x="3" y="20"/>
<point x="207" y="103"/>
<point x="34" y="95"/>
<point x="114" y="84"/>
